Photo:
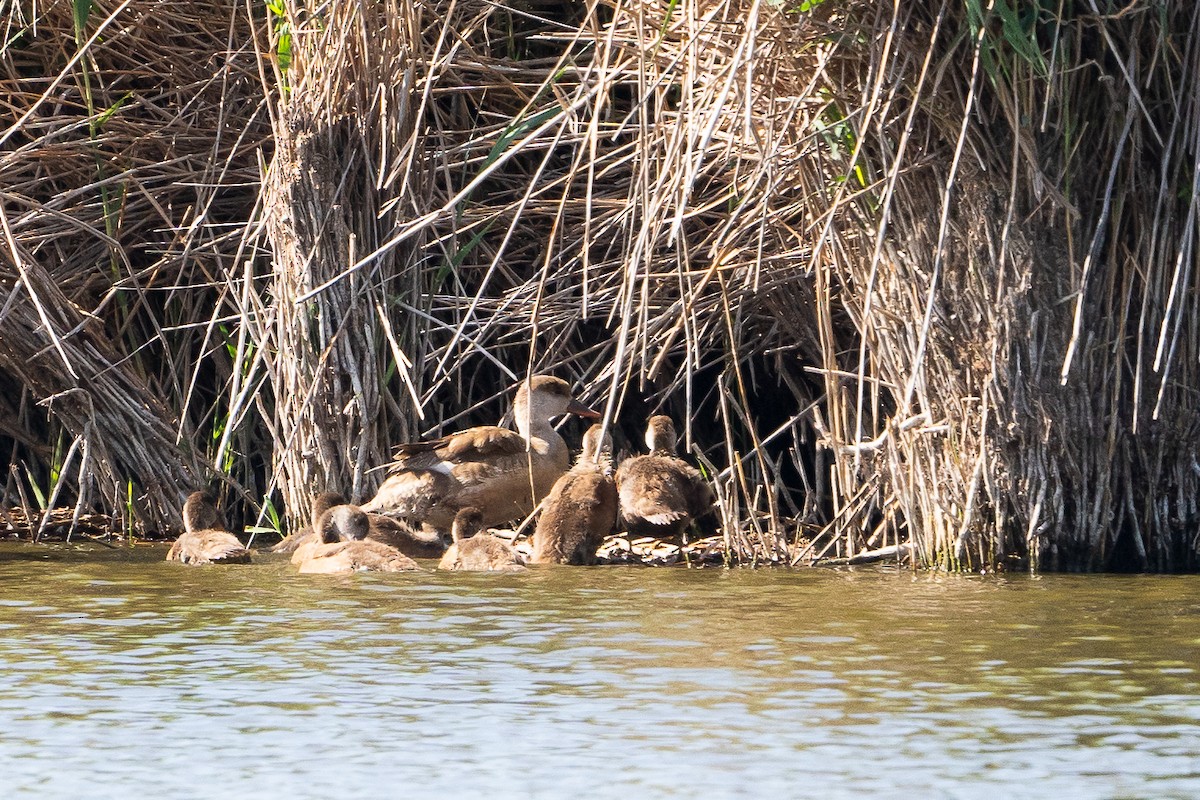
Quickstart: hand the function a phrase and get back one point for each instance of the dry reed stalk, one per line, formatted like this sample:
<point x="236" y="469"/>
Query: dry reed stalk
<point x="129" y="164"/>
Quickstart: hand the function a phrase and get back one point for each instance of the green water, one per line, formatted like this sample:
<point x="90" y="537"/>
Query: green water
<point x="121" y="675"/>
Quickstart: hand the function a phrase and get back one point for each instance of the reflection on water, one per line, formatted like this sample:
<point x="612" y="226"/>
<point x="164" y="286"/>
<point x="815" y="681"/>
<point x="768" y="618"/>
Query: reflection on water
<point x="121" y="671"/>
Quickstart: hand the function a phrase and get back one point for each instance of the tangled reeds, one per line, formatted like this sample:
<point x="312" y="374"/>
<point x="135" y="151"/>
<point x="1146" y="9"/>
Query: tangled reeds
<point x="921" y="271"/>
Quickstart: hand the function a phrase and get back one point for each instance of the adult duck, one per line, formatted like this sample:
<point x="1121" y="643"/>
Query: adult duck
<point x="474" y="551"/>
<point x="345" y="547"/>
<point x="660" y="494"/>
<point x="204" y="539"/>
<point x="502" y="473"/>
<point x="581" y="509"/>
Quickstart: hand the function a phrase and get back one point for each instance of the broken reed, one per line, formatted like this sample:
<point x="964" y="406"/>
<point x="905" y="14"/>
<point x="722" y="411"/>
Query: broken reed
<point x="919" y="272"/>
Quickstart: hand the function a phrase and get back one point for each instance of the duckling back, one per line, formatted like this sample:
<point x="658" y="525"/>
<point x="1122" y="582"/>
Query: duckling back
<point x="660" y="494"/>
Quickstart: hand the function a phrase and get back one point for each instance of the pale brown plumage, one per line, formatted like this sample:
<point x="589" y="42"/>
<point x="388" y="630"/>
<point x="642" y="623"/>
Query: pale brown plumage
<point x="204" y="539"/>
<point x="581" y="509"/>
<point x="473" y="551"/>
<point x="345" y="548"/>
<point x="659" y="493"/>
<point x="501" y="472"/>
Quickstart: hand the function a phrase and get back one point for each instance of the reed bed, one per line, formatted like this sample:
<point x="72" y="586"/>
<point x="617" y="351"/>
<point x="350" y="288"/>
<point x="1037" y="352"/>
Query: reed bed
<point x="921" y="272"/>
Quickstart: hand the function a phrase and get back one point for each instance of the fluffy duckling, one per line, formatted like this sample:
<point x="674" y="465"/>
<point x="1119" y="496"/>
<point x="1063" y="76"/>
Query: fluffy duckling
<point x="478" y="552"/>
<point x="320" y="504"/>
<point x="660" y="494"/>
<point x="394" y="533"/>
<point x="204" y="539"/>
<point x="400" y="535"/>
<point x="581" y="509"/>
<point x="502" y="472"/>
<point x="345" y="548"/>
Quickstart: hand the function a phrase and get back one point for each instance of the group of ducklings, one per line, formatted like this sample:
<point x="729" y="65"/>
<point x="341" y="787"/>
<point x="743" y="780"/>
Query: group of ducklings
<point x="453" y="487"/>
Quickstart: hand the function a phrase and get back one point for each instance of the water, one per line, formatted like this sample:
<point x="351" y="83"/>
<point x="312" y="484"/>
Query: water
<point x="120" y="674"/>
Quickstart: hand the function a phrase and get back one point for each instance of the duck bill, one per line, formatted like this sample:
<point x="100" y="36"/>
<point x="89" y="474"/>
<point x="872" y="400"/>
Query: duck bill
<point x="581" y="410"/>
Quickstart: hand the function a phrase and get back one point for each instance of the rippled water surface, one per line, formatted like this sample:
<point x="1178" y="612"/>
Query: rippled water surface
<point x="121" y="676"/>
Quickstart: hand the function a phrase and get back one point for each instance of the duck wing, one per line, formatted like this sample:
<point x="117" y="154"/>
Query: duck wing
<point x="474" y="444"/>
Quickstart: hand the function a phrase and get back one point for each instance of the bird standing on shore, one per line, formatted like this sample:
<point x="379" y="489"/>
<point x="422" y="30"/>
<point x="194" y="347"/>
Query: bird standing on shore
<point x="581" y="509"/>
<point x="660" y="494"/>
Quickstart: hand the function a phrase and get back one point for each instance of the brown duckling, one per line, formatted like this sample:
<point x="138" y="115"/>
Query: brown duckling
<point x="392" y="532"/>
<point x="344" y="546"/>
<point x="473" y="551"/>
<point x="581" y="509"/>
<point x="502" y="472"/>
<point x="320" y="504"/>
<point x="204" y="539"/>
<point x="399" y="534"/>
<point x="660" y="494"/>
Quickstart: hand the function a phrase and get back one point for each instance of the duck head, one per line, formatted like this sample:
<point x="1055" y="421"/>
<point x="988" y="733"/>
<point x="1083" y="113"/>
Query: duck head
<point x="660" y="435"/>
<point x="200" y="512"/>
<point x="543" y="397"/>
<point x="343" y="524"/>
<point x="467" y="522"/>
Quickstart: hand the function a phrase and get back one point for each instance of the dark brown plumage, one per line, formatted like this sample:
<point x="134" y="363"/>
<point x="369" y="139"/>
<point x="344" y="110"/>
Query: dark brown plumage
<point x="659" y="493"/>
<point x="475" y="551"/>
<point x="501" y="472"/>
<point x="344" y="547"/>
<point x="581" y="509"/>
<point x="394" y="533"/>
<point x="320" y="504"/>
<point x="204" y="539"/>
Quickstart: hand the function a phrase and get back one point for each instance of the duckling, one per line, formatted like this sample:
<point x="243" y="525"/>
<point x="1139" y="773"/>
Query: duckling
<point x="345" y="548"/>
<point x="501" y="472"/>
<point x="320" y="504"/>
<point x="400" y="535"/>
<point x="660" y="494"/>
<point x="478" y="552"/>
<point x="204" y="539"/>
<point x="581" y="509"/>
<point x="394" y="533"/>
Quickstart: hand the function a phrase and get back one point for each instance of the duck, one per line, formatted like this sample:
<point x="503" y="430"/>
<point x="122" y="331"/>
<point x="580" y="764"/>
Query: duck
<point x="502" y="473"/>
<point x="395" y="533"/>
<point x="660" y="494"/>
<point x="473" y="551"/>
<point x="344" y="546"/>
<point x="320" y="504"/>
<point x="204" y="539"/>
<point x="581" y="509"/>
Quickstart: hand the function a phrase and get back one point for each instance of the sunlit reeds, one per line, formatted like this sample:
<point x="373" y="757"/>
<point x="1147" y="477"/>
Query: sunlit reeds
<point x="916" y="271"/>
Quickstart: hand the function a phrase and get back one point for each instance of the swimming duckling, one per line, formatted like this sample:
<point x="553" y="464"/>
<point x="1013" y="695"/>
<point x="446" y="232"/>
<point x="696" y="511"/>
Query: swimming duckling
<point x="204" y="539"/>
<point x="308" y="535"/>
<point x="394" y="533"/>
<point x="478" y="552"/>
<point x="659" y="493"/>
<point x="581" y="509"/>
<point x="501" y="472"/>
<point x="345" y="548"/>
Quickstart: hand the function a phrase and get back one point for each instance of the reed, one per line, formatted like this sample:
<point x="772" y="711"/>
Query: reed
<point x="914" y="272"/>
